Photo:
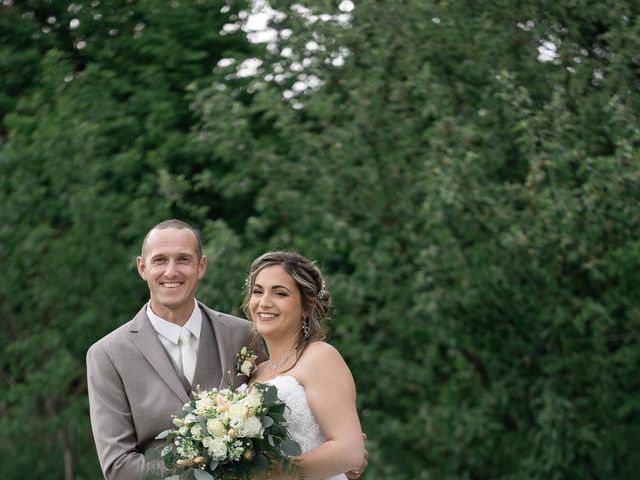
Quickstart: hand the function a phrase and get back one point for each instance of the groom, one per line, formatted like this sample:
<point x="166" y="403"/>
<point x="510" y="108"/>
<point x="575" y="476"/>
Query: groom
<point x="143" y="372"/>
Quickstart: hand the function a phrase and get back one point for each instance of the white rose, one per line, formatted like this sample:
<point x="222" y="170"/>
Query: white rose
<point x="236" y="422"/>
<point x="252" y="428"/>
<point x="203" y="405"/>
<point x="253" y="401"/>
<point x="196" y="432"/>
<point x="254" y="398"/>
<point x="237" y="410"/>
<point x="248" y="366"/>
<point x="217" y="449"/>
<point x="216" y="427"/>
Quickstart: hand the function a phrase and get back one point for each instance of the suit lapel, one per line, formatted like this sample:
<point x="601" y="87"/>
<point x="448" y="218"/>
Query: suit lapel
<point x="224" y="342"/>
<point x="144" y="337"/>
<point x="208" y="371"/>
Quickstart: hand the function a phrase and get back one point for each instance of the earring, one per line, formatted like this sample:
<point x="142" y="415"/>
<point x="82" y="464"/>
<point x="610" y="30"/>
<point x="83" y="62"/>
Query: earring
<point x="305" y="327"/>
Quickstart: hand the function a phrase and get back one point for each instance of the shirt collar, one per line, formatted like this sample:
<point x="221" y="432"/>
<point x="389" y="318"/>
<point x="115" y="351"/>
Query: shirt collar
<point x="171" y="331"/>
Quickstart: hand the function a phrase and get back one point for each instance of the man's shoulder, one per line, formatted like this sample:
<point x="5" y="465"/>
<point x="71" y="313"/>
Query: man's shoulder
<point x="117" y="337"/>
<point x="113" y="338"/>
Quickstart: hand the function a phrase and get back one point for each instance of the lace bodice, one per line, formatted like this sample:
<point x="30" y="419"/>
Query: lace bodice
<point x="303" y="426"/>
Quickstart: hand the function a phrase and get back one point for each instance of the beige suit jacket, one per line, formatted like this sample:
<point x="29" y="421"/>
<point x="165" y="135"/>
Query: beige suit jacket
<point x="134" y="388"/>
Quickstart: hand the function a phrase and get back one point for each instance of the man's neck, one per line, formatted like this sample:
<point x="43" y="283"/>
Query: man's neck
<point x="178" y="316"/>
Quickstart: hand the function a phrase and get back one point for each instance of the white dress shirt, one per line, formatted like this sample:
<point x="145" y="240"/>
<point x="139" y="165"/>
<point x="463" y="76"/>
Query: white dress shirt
<point x="169" y="333"/>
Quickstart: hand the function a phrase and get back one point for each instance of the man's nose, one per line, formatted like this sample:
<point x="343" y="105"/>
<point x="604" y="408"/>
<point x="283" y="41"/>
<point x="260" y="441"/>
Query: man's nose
<point x="171" y="268"/>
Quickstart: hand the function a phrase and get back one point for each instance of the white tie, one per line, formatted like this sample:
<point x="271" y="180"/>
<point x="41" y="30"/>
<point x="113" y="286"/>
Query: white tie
<point x="187" y="354"/>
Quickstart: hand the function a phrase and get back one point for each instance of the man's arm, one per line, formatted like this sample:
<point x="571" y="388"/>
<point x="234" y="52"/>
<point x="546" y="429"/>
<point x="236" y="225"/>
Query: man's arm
<point x="111" y="420"/>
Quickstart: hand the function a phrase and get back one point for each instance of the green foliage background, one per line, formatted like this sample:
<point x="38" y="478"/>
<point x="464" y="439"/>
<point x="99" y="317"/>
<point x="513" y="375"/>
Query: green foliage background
<point x="474" y="207"/>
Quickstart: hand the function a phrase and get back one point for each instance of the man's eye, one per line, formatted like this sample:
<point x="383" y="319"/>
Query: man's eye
<point x="158" y="261"/>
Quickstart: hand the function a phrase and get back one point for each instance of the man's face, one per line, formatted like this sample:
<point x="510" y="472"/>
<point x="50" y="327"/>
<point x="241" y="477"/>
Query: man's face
<point x="172" y="270"/>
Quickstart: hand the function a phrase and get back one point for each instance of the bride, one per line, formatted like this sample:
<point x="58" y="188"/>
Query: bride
<point x="287" y="301"/>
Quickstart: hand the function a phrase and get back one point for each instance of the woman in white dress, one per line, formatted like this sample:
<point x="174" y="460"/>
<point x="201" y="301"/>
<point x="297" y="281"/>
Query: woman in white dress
<point x="287" y="300"/>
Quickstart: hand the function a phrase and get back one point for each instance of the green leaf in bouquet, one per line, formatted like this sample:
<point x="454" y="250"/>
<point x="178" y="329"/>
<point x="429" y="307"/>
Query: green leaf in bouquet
<point x="271" y="394"/>
<point x="279" y="408"/>
<point x="183" y="413"/>
<point x="278" y="417"/>
<point x="290" y="447"/>
<point x="202" y="475"/>
<point x="173" y="477"/>
<point x="213" y="465"/>
<point x="270" y="440"/>
<point x="259" y="444"/>
<point x="163" y="434"/>
<point x="170" y="459"/>
<point x="203" y="425"/>
<point x="267" y="421"/>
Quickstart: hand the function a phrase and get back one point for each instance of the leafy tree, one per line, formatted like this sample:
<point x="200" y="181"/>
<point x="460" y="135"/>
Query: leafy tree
<point x="470" y="198"/>
<point x="95" y="125"/>
<point x="465" y="173"/>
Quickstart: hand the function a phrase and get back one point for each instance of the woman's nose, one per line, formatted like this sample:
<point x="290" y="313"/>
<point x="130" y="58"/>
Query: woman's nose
<point x="265" y="300"/>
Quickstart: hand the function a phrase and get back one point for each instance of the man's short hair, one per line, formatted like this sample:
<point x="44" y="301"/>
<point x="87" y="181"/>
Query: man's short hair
<point x="173" y="223"/>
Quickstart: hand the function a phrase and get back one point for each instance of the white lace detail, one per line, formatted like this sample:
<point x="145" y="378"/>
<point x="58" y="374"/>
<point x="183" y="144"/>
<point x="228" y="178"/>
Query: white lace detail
<point x="303" y="426"/>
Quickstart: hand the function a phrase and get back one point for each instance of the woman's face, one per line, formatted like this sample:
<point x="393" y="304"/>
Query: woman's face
<point x="276" y="304"/>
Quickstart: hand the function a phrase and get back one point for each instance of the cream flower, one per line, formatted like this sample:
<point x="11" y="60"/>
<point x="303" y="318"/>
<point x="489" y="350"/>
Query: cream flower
<point x="196" y="432"/>
<point x="237" y="410"/>
<point x="246" y="362"/>
<point x="217" y="449"/>
<point x="203" y="404"/>
<point x="236" y="422"/>
<point x="249" y="365"/>
<point x="216" y="427"/>
<point x="253" y="401"/>
<point x="252" y="427"/>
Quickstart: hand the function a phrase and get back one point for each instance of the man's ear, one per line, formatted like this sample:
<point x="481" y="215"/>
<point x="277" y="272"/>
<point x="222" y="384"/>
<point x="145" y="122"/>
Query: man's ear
<point x="202" y="267"/>
<point x="141" y="266"/>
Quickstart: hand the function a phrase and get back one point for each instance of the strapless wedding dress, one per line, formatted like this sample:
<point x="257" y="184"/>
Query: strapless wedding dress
<point x="303" y="426"/>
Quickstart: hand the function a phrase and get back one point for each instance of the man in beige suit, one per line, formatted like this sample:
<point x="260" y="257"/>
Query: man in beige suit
<point x="143" y="372"/>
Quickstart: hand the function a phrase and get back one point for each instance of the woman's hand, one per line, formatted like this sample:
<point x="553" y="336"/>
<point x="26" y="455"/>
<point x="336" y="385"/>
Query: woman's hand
<point x="356" y="472"/>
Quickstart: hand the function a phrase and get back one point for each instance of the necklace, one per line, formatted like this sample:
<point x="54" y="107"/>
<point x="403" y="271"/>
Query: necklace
<point x="275" y="366"/>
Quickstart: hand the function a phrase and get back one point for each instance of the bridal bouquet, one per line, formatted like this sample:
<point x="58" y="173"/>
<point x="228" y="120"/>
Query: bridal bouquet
<point x="227" y="434"/>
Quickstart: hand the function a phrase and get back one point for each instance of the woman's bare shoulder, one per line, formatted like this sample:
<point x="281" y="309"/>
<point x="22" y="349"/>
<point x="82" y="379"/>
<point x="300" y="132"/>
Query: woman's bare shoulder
<point x="321" y="358"/>
<point x="321" y="351"/>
